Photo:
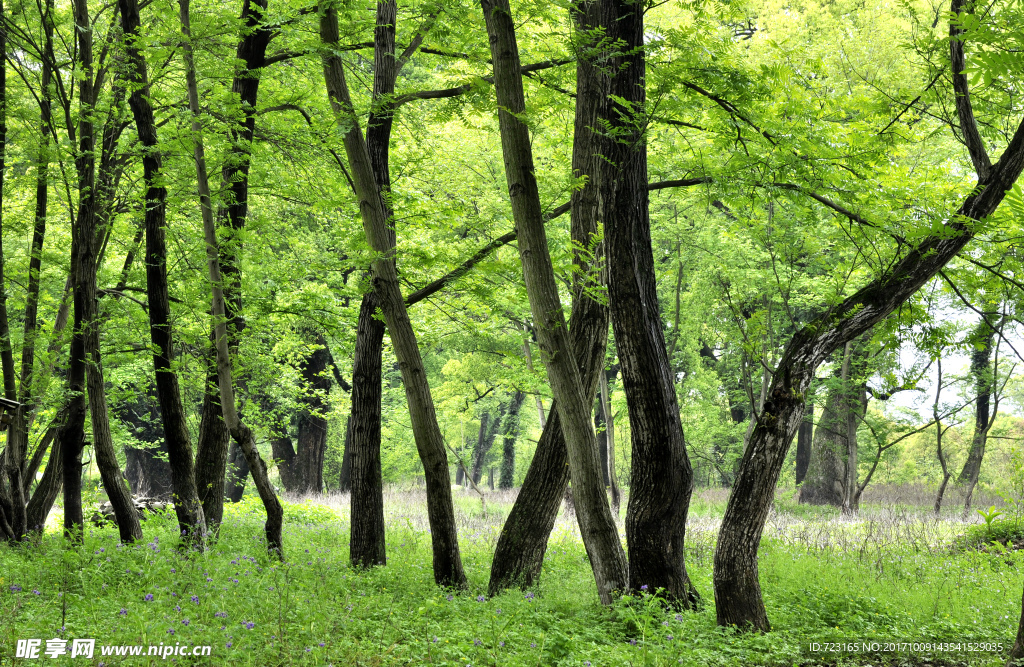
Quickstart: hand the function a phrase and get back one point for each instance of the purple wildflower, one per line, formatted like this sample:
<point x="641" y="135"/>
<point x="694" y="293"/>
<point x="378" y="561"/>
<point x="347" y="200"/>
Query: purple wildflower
<point x="149" y="597"/>
<point x="195" y="598"/>
<point x="184" y="621"/>
<point x="123" y="612"/>
<point x="15" y="588"/>
<point x="481" y="598"/>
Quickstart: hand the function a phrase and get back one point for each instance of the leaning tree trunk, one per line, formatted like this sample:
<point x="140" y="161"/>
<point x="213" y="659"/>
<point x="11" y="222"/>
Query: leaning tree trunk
<point x="597" y="526"/>
<point x="6" y="351"/>
<point x="981" y="370"/>
<point x="240" y="433"/>
<point x="661" y="479"/>
<point x="738" y="598"/>
<point x="519" y="553"/>
<point x="510" y="432"/>
<point x="429" y="441"/>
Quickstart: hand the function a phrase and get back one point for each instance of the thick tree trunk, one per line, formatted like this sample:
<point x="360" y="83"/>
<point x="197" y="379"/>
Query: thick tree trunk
<point x="510" y="432"/>
<point x="212" y="453"/>
<point x="981" y="371"/>
<point x="597" y="526"/>
<point x="312" y="428"/>
<point x="738" y="598"/>
<point x="367" y="546"/>
<point x="237" y="472"/>
<point x="661" y="479"/>
<point x="803" y="444"/>
<point x="6" y="351"/>
<point x="189" y="510"/>
<point x="429" y="441"/>
<point x="283" y="453"/>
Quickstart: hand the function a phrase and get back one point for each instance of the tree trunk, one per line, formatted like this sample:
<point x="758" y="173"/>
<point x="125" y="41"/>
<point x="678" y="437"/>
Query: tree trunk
<point x="981" y="370"/>
<point x="803" y="444"/>
<point x="485" y="441"/>
<point x="283" y="453"/>
<point x="1016" y="657"/>
<point x="312" y="429"/>
<point x="215" y="446"/>
<point x="237" y="472"/>
<point x="85" y="298"/>
<point x="597" y="526"/>
<point x="6" y="351"/>
<point x="362" y="447"/>
<point x="510" y="428"/>
<point x="71" y="437"/>
<point x="528" y="355"/>
<point x="602" y="437"/>
<point x="240" y="433"/>
<point x="661" y="479"/>
<point x="738" y="598"/>
<point x="429" y="441"/>
<point x="189" y="510"/>
<point x="49" y="486"/>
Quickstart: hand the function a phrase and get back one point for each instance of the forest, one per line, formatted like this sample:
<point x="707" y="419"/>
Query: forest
<point x="608" y="332"/>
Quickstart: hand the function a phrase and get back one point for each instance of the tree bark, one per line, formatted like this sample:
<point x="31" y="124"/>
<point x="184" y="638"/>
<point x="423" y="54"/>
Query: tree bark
<point x="367" y="544"/>
<point x="1016" y="657"/>
<point x="312" y="428"/>
<point x="6" y="351"/>
<point x="71" y="436"/>
<point x="597" y="526"/>
<point x="485" y="440"/>
<point x="738" y="598"/>
<point x="41" y="502"/>
<point x="429" y="442"/>
<point x="237" y="472"/>
<point x="147" y="470"/>
<point x="85" y="297"/>
<point x="609" y="421"/>
<point x="661" y="479"/>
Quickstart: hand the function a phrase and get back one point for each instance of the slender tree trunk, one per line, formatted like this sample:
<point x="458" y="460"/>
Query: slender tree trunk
<point x="6" y="351"/>
<point x="597" y="526"/>
<point x="981" y="370"/>
<point x="510" y="428"/>
<point x="519" y="553"/>
<point x="485" y="441"/>
<point x="49" y="486"/>
<point x="215" y="445"/>
<point x="240" y="433"/>
<point x="189" y="510"/>
<point x="803" y="444"/>
<point x="429" y="442"/>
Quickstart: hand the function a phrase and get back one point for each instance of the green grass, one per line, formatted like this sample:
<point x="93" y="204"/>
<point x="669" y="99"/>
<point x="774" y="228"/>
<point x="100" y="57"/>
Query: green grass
<point x="315" y="610"/>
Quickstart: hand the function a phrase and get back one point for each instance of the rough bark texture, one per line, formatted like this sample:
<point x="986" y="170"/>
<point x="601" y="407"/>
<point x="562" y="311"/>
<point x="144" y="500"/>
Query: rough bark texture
<point x="510" y="432"/>
<point x="661" y="479"/>
<point x="429" y="442"/>
<point x="803" y="444"/>
<point x="189" y="510"/>
<point x="485" y="441"/>
<point x="71" y="438"/>
<point x="738" y="598"/>
<point x="46" y="492"/>
<point x="308" y="465"/>
<point x="367" y="546"/>
<point x="521" y="546"/>
<point x="212" y="450"/>
<point x="237" y="471"/>
<point x="6" y="351"/>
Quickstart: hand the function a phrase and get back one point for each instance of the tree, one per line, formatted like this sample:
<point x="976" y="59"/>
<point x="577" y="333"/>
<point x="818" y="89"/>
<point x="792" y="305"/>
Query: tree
<point x="737" y="589"/>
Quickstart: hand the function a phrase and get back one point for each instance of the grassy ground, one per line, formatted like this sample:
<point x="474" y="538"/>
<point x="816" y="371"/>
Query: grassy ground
<point x="893" y="575"/>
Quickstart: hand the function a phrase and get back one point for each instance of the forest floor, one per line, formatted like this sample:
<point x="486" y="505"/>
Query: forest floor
<point x="895" y="586"/>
